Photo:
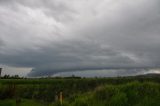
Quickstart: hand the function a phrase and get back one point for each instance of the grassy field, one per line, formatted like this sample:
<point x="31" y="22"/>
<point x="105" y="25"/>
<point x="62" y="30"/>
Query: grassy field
<point x="120" y="91"/>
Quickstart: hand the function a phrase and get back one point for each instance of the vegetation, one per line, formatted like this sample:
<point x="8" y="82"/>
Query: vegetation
<point x="120" y="91"/>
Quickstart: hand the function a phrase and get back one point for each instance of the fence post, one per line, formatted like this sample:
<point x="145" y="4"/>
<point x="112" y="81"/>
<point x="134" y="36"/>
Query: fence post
<point x="61" y="98"/>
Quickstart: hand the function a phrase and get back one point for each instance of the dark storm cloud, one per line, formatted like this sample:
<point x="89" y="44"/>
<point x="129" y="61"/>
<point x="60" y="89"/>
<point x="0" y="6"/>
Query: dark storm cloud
<point x="67" y="57"/>
<point x="59" y="36"/>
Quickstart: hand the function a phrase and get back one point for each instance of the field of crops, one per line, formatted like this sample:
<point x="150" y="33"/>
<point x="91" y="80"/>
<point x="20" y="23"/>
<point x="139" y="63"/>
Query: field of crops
<point x="127" y="91"/>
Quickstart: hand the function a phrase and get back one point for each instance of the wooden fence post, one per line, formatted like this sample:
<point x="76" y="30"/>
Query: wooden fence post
<point x="61" y="98"/>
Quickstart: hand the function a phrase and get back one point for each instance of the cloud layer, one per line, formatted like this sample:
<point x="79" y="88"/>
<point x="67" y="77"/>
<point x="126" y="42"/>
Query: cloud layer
<point x="58" y="36"/>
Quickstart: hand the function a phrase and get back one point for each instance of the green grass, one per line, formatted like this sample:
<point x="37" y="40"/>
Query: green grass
<point x="24" y="102"/>
<point x="31" y="103"/>
<point x="130" y="94"/>
<point x="81" y="92"/>
<point x="7" y="103"/>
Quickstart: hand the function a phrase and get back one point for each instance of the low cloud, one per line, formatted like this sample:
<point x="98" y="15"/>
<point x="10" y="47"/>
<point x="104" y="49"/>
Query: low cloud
<point x="61" y="36"/>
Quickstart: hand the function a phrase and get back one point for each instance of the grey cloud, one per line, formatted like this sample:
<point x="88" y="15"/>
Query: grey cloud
<point x="57" y="9"/>
<point x="66" y="57"/>
<point x="58" y="36"/>
<point x="106" y="73"/>
<point x="1" y="42"/>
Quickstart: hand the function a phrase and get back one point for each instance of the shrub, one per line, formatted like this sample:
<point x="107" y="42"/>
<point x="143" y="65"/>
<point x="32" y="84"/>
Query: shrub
<point x="120" y="99"/>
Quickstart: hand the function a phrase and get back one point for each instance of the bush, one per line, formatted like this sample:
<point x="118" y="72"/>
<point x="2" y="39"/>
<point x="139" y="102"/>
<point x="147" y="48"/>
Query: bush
<point x="120" y="99"/>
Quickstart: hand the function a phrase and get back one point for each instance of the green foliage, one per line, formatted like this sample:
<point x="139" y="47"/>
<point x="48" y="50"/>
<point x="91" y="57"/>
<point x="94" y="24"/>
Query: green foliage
<point x="25" y="102"/>
<point x="130" y="94"/>
<point x="81" y="92"/>
<point x="120" y="99"/>
<point x="105" y="93"/>
<point x="7" y="103"/>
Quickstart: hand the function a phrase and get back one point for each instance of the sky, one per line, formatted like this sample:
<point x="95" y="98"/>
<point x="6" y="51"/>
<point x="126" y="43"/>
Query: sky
<point x="82" y="37"/>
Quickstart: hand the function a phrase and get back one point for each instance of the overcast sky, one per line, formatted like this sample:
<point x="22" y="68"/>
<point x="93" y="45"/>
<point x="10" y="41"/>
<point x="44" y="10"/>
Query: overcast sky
<point x="47" y="37"/>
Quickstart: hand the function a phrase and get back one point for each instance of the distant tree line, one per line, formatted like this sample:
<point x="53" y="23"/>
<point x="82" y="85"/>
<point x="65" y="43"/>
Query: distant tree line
<point x="11" y="77"/>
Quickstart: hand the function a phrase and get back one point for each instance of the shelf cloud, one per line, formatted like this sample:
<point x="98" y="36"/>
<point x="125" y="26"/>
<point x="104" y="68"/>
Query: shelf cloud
<point x="53" y="36"/>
